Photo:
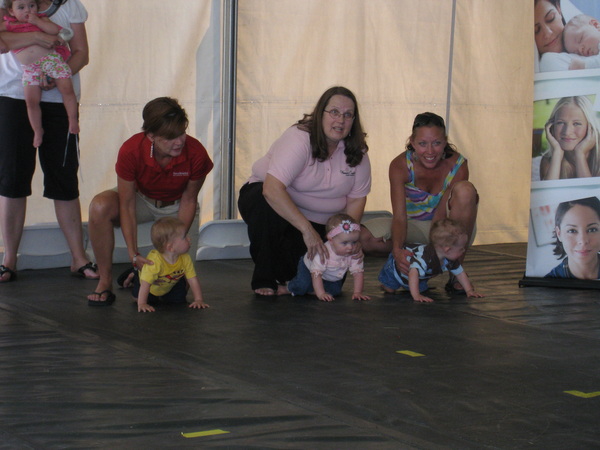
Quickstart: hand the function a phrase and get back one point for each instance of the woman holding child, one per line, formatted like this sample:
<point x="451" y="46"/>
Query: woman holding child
<point x="58" y="153"/>
<point x="160" y="172"/>
<point x="317" y="168"/>
<point x="428" y="182"/>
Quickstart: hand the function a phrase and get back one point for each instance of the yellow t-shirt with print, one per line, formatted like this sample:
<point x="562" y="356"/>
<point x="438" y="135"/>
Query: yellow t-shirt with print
<point x="163" y="276"/>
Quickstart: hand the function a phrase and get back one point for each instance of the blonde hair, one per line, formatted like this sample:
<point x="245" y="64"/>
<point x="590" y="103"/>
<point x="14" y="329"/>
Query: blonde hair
<point x="446" y="232"/>
<point x="593" y="160"/>
<point x="164" y="230"/>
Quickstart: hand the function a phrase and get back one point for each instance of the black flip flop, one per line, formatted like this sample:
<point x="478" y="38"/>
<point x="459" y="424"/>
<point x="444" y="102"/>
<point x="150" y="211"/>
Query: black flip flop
<point x="451" y="289"/>
<point x="110" y="299"/>
<point x="13" y="274"/>
<point x="80" y="273"/>
<point x="125" y="275"/>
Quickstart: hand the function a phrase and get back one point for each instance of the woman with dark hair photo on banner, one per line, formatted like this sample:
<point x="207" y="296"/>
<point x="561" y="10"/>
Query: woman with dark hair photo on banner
<point x="577" y="233"/>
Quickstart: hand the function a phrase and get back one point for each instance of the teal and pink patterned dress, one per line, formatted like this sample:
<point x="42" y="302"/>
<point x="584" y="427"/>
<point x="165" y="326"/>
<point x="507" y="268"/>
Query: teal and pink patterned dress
<point x="421" y="205"/>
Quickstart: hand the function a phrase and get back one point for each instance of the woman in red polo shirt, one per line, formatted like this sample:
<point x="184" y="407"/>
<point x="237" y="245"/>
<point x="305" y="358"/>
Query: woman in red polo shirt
<point x="160" y="172"/>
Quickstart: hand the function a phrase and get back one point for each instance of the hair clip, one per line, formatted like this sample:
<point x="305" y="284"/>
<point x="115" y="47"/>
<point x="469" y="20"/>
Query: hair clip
<point x="345" y="226"/>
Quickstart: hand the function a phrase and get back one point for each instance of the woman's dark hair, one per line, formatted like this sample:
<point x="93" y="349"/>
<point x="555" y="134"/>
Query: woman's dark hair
<point x="429" y="119"/>
<point x="556" y="4"/>
<point x="356" y="145"/>
<point x="562" y="209"/>
<point x="164" y="117"/>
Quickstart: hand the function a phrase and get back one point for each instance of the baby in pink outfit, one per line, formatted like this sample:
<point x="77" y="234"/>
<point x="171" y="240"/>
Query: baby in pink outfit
<point x="38" y="62"/>
<point x="325" y="278"/>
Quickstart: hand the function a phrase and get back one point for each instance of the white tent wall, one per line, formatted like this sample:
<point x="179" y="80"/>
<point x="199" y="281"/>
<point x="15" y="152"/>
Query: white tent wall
<point x="140" y="50"/>
<point x="491" y="111"/>
<point x="289" y="52"/>
<point x="396" y="55"/>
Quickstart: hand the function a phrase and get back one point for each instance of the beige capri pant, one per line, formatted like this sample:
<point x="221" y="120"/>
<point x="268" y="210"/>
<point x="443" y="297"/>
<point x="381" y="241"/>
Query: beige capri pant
<point x="146" y="211"/>
<point x="417" y="231"/>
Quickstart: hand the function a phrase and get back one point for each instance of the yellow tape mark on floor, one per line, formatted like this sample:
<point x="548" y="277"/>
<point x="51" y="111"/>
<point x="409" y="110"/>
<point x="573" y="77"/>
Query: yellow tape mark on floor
<point x="409" y="353"/>
<point x="203" y="433"/>
<point x="583" y="394"/>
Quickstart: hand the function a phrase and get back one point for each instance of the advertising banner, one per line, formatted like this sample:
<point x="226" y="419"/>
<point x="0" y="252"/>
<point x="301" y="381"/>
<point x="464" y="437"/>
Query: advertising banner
<point x="564" y="225"/>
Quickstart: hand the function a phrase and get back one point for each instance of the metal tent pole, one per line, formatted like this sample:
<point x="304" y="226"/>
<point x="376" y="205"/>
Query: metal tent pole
<point x="228" y="208"/>
<point x="450" y="66"/>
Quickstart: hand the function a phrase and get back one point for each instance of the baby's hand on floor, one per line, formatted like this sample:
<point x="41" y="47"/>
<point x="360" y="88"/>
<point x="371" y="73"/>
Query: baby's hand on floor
<point x="422" y="299"/>
<point x="198" y="304"/>
<point x="474" y="294"/>
<point x="145" y="308"/>
<point x="325" y="297"/>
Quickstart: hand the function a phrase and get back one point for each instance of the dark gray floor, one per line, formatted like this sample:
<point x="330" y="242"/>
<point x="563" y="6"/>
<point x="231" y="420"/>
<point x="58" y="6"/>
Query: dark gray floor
<point x="298" y="373"/>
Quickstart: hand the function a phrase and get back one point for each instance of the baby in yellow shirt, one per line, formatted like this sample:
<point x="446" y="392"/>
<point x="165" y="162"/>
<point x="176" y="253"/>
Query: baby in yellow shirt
<point x="171" y="265"/>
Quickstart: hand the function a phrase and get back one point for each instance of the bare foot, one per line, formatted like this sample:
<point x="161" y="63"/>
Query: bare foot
<point x="87" y="270"/>
<point x="103" y="298"/>
<point x="283" y="290"/>
<point x="128" y="281"/>
<point x="90" y="274"/>
<point x="101" y="292"/>
<point x="264" y="291"/>
<point x="387" y="290"/>
<point x="99" y="296"/>
<point x="7" y="274"/>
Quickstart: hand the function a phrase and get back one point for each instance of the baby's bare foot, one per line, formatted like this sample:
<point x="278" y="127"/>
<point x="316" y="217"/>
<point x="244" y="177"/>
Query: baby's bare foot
<point x="283" y="290"/>
<point x="387" y="290"/>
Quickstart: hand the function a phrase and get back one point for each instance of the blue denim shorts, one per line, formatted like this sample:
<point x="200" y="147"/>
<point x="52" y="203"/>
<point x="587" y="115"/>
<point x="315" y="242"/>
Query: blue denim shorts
<point x="389" y="277"/>
<point x="301" y="284"/>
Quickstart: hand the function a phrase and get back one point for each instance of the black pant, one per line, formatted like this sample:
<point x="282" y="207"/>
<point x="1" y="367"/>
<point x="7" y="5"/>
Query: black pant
<point x="58" y="153"/>
<point x="176" y="295"/>
<point x="275" y="245"/>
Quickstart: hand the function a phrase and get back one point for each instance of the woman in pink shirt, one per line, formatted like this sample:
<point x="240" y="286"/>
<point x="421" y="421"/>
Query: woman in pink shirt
<point x="317" y="168"/>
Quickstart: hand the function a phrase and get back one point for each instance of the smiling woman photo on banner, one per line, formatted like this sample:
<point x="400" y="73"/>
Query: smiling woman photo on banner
<point x="577" y="233"/>
<point x="572" y="132"/>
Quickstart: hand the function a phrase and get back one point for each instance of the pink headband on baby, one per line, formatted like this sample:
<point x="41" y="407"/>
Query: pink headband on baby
<point x="345" y="227"/>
